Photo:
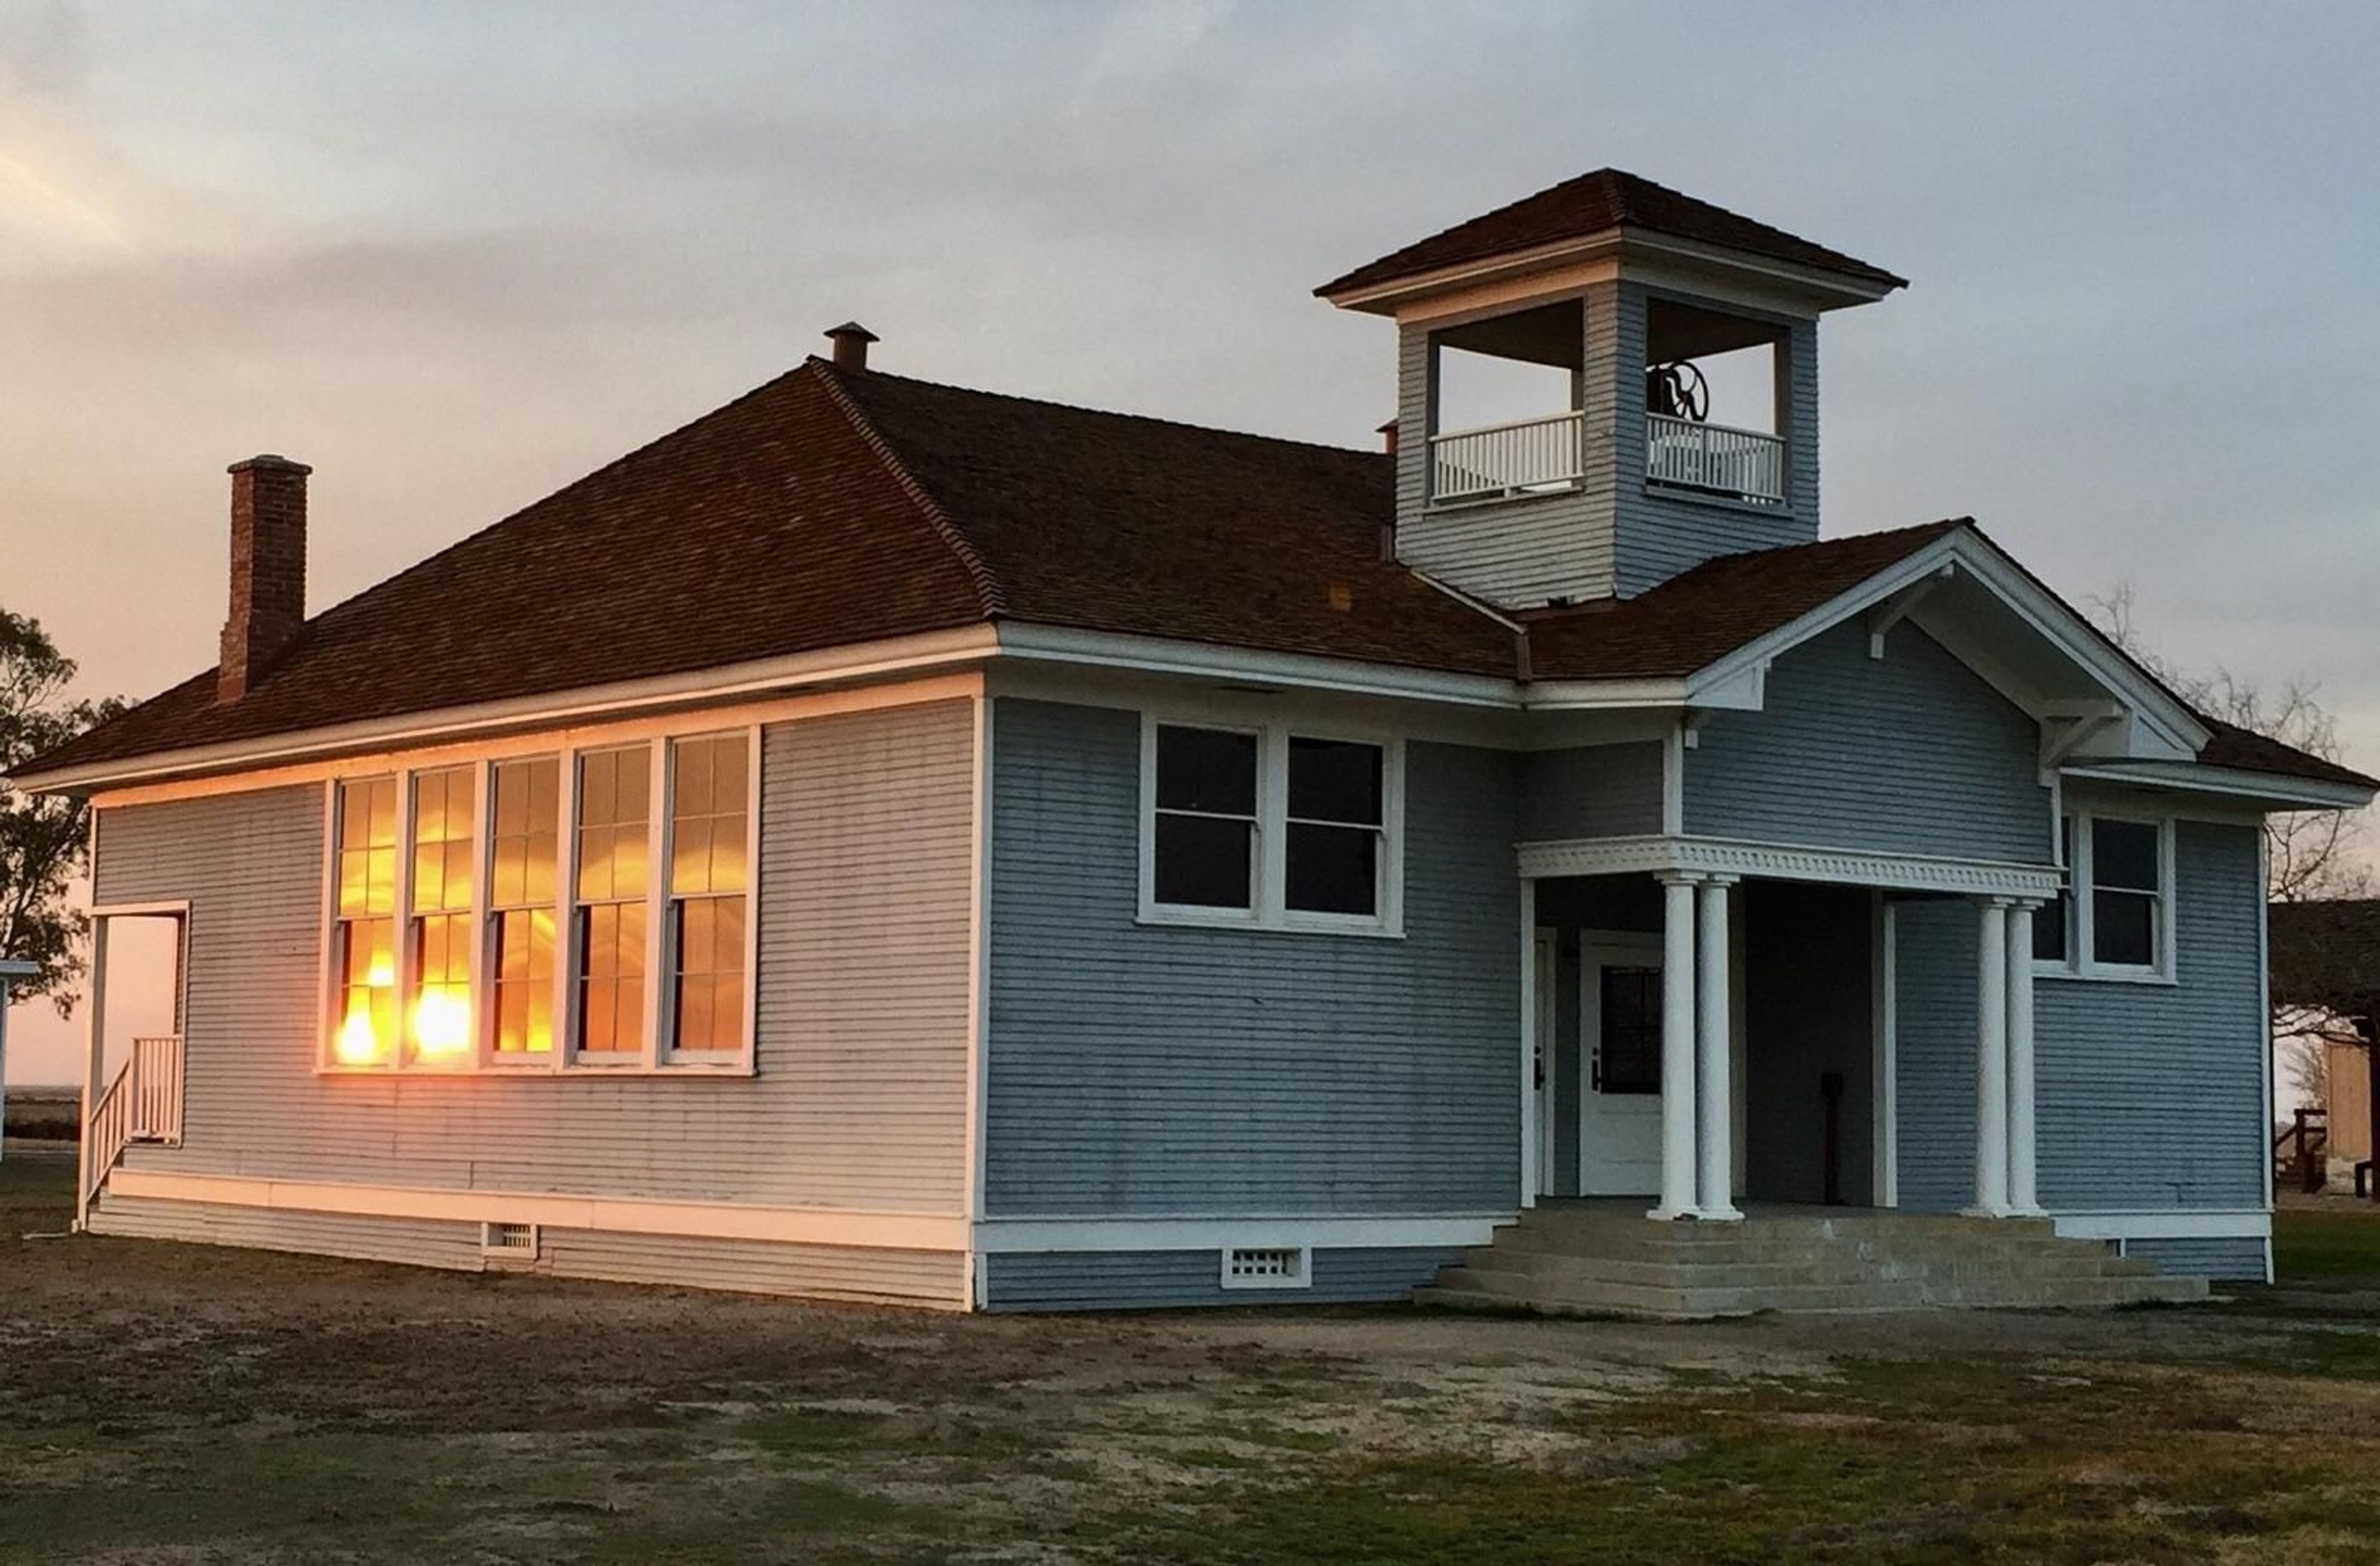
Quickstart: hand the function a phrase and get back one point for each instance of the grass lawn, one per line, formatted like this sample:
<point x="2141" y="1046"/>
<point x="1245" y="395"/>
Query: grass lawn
<point x="2341" y="1241"/>
<point x="172" y="1403"/>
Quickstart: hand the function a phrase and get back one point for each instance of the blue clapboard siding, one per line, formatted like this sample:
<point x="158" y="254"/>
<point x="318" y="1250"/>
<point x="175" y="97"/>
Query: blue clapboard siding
<point x="1179" y="1070"/>
<point x="2152" y="1096"/>
<point x="2225" y="1260"/>
<point x="1519" y="552"/>
<point x="2147" y="1096"/>
<point x="1658" y="532"/>
<point x="1156" y="1280"/>
<point x="1909" y="754"/>
<point x="1591" y="791"/>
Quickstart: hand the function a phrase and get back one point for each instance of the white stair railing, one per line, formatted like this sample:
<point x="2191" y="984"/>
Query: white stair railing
<point x="1498" y="460"/>
<point x="1742" y="463"/>
<point x="142" y="1104"/>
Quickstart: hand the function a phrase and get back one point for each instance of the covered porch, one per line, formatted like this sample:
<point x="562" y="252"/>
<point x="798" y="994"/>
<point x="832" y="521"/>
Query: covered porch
<point x="1716" y="1028"/>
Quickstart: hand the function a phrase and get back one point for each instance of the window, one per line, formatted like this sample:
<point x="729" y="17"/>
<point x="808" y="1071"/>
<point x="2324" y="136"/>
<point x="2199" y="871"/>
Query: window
<point x="522" y="842"/>
<point x="1336" y="819"/>
<point x="578" y="909"/>
<point x="2124" y="894"/>
<point x="1206" y="818"/>
<point x="1256" y="825"/>
<point x="2114" y="917"/>
<point x="614" y="832"/>
<point x="1628" y="1040"/>
<point x="364" y="938"/>
<point x="710" y="824"/>
<point x="437" y="930"/>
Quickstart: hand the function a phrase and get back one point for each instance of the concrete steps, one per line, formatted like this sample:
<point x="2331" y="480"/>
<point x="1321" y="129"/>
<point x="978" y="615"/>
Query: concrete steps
<point x="1597" y="1261"/>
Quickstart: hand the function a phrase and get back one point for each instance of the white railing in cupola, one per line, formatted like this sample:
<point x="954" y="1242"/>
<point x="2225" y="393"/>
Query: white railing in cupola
<point x="1525" y="456"/>
<point x="1717" y="458"/>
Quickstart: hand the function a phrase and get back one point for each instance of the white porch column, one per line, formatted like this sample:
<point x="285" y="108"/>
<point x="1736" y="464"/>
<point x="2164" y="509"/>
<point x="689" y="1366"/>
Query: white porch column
<point x="1713" y="1066"/>
<point x="95" y="1063"/>
<point x="1678" y="1046"/>
<point x="1991" y="1062"/>
<point x="2022" y="1195"/>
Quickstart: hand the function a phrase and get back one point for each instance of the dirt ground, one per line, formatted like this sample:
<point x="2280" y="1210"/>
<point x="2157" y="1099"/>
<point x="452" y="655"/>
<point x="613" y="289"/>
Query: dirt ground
<point x="187" y="1404"/>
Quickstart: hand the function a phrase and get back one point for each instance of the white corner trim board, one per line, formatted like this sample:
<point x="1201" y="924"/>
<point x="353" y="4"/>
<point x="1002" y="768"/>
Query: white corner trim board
<point x="714" y="1220"/>
<point x="1712" y="856"/>
<point x="2166" y="1223"/>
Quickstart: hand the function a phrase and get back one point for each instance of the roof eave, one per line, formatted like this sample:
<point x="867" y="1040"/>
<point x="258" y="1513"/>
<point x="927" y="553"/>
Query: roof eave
<point x="856" y="663"/>
<point x="2276" y="791"/>
<point x="1830" y="288"/>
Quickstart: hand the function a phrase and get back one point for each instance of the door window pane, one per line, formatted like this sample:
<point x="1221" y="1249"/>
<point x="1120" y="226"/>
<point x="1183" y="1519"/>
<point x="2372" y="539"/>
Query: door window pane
<point x="1628" y="1053"/>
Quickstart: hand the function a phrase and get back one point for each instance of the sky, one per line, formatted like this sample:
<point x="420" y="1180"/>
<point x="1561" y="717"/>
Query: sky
<point x="456" y="255"/>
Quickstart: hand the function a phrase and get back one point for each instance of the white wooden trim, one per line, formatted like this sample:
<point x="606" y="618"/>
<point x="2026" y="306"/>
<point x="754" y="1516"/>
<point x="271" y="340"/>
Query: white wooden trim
<point x="326" y="1007"/>
<point x="1011" y="1236"/>
<point x="2266" y="1055"/>
<point x="978" y="1038"/>
<point x="1531" y="1157"/>
<point x="1712" y="856"/>
<point x="2308" y="794"/>
<point x="660" y="833"/>
<point x="1210" y="661"/>
<point x="2166" y="1223"/>
<point x="1884" y="1076"/>
<point x="716" y="1220"/>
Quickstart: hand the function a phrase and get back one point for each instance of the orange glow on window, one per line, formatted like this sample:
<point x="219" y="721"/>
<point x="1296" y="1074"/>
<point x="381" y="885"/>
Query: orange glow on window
<point x="442" y="1026"/>
<point x="358" y="1044"/>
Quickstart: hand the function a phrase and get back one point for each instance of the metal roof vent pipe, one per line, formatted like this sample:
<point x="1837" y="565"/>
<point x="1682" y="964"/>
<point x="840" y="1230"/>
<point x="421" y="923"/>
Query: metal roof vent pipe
<point x="851" y="340"/>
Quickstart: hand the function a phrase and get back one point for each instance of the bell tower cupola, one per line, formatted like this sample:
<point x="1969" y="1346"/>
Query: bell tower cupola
<point x="1602" y="385"/>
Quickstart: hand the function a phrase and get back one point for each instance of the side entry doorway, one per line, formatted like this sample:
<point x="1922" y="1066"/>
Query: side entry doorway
<point x="1620" y="1062"/>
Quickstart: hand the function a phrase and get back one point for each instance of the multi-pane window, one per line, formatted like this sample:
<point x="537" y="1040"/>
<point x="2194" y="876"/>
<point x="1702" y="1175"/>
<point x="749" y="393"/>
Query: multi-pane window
<point x="522" y="836"/>
<point x="2125" y="892"/>
<point x="614" y="833"/>
<point x="1287" y="830"/>
<point x="1337" y="827"/>
<point x="710" y="826"/>
<point x="439" y="923"/>
<point x="364" y="937"/>
<point x="1206" y="828"/>
<point x="2113" y="918"/>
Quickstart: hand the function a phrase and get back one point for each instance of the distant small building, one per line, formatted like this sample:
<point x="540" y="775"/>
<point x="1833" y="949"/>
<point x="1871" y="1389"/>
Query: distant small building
<point x="2326" y="955"/>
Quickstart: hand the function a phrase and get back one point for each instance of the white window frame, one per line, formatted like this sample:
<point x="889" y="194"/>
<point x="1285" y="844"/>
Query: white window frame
<point x="657" y="1057"/>
<point x="2081" y="960"/>
<point x="1269" y="889"/>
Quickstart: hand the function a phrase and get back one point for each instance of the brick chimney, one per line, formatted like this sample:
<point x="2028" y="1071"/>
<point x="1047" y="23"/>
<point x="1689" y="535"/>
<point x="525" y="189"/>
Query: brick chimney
<point x="850" y="340"/>
<point x="267" y="569"/>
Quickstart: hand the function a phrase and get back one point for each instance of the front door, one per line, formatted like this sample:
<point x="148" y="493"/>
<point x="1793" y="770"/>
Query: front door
<point x="1620" y="1059"/>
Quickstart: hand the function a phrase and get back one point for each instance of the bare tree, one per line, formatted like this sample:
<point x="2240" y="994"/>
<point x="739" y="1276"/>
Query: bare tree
<point x="2312" y="856"/>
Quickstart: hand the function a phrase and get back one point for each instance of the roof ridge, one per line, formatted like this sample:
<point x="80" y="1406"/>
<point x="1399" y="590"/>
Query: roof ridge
<point x="1158" y="420"/>
<point x="987" y="591"/>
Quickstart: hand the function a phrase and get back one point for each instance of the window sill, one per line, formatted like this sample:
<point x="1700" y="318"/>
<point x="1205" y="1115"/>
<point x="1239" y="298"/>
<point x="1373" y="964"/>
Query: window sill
<point x="543" y="1073"/>
<point x="2147" y="977"/>
<point x="1185" y="919"/>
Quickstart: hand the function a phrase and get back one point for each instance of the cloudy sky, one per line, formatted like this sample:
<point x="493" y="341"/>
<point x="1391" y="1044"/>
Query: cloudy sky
<point x="455" y="255"/>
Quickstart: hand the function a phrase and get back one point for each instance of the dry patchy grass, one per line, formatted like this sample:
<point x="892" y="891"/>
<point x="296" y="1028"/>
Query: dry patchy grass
<point x="162" y="1402"/>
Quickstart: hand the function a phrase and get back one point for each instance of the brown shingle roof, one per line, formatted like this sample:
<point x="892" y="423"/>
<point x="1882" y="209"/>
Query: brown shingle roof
<point x="769" y="527"/>
<point x="1699" y="616"/>
<point x="827" y="508"/>
<point x="1596" y="203"/>
<point x="2251" y="752"/>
